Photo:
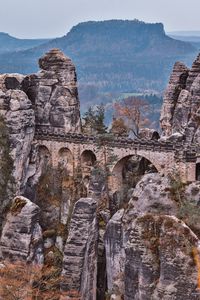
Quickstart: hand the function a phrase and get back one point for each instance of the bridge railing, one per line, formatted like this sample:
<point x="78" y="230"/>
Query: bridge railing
<point x="58" y="134"/>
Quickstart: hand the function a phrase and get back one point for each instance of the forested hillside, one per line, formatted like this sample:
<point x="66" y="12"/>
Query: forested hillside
<point x="112" y="56"/>
<point x="9" y="43"/>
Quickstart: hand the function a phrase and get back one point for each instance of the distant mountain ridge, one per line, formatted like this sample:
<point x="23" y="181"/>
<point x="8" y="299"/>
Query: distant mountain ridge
<point x="113" y="56"/>
<point x="9" y="43"/>
<point x="185" y="33"/>
<point x="184" y="38"/>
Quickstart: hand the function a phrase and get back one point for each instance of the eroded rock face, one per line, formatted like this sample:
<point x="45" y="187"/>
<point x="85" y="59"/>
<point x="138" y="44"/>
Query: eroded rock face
<point x="152" y="195"/>
<point x="158" y="263"/>
<point x="115" y="254"/>
<point x="21" y="237"/>
<point x="54" y="92"/>
<point x="193" y="73"/>
<point x="49" y="98"/>
<point x="177" y="82"/>
<point x="148" y="249"/>
<point x="11" y="81"/>
<point x="80" y="253"/>
<point x="19" y="117"/>
<point x="181" y="110"/>
<point x="149" y="134"/>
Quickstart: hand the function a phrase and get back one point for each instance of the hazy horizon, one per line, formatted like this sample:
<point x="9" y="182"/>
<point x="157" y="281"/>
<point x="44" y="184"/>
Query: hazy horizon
<point x="48" y="19"/>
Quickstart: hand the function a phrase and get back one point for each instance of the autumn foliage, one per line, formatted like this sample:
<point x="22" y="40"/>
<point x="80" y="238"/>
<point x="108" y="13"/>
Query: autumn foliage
<point x="20" y="280"/>
<point x="15" y="281"/>
<point x="119" y="127"/>
<point x="134" y="112"/>
<point x="197" y="262"/>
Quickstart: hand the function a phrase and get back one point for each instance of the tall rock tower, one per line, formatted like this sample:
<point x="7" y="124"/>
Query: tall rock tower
<point x="48" y="99"/>
<point x="180" y="114"/>
<point x="53" y="92"/>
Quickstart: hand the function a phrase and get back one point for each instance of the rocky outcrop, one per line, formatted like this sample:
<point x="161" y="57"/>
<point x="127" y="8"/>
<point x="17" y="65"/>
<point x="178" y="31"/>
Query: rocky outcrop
<point x="193" y="73"/>
<point x="53" y="91"/>
<point x="80" y="253"/>
<point x="158" y="262"/>
<point x="115" y="254"/>
<point x="11" y="81"/>
<point x="48" y="98"/>
<point x="148" y="249"/>
<point x="21" y="237"/>
<point x="152" y="195"/>
<point x="177" y="82"/>
<point x="181" y="111"/>
<point x="19" y="117"/>
<point x="149" y="134"/>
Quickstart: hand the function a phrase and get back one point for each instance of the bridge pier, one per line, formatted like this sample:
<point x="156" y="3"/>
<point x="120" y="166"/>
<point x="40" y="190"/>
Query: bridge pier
<point x="187" y="171"/>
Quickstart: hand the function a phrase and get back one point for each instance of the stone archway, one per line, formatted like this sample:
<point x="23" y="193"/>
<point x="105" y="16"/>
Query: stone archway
<point x="42" y="161"/>
<point x="135" y="164"/>
<point x="44" y="158"/>
<point x="88" y="160"/>
<point x="66" y="160"/>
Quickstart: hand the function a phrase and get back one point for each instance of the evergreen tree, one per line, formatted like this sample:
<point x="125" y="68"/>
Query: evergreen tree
<point x="94" y="120"/>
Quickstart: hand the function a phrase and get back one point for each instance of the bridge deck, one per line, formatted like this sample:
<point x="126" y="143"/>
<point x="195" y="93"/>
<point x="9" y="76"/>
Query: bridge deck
<point x="59" y="135"/>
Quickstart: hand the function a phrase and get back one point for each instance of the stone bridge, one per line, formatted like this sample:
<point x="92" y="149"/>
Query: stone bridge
<point x="78" y="150"/>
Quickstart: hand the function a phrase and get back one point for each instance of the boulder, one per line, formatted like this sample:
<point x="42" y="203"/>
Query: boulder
<point x="21" y="237"/>
<point x="152" y="195"/>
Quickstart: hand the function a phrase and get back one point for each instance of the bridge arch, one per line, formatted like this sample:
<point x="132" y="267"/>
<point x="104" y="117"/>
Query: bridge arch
<point x="135" y="163"/>
<point x="44" y="156"/>
<point x="66" y="160"/>
<point x="88" y="160"/>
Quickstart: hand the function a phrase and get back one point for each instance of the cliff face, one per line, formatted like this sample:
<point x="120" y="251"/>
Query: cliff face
<point x="92" y="246"/>
<point x="148" y="249"/>
<point x="80" y="253"/>
<point x="180" y="110"/>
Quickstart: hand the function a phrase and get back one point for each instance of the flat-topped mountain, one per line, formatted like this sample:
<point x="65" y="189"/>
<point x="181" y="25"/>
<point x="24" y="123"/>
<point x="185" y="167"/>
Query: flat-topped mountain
<point x="115" y="55"/>
<point x="9" y="43"/>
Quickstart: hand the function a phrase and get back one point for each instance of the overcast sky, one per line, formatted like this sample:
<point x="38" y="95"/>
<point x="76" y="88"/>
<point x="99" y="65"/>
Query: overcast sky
<point x="53" y="18"/>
